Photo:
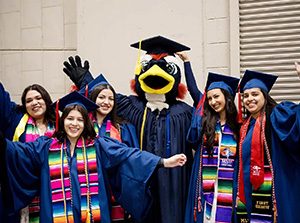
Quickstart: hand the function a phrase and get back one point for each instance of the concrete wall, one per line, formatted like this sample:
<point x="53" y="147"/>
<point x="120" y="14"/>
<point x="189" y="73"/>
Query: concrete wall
<point x="36" y="36"/>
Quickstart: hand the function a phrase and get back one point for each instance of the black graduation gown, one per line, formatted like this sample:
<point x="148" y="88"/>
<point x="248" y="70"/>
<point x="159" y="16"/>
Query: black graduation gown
<point x="169" y="186"/>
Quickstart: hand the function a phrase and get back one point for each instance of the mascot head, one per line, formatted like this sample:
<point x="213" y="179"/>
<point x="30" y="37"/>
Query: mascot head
<point x="157" y="73"/>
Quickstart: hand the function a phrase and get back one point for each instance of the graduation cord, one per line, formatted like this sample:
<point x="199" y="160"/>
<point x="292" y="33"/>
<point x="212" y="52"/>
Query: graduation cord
<point x="143" y="128"/>
<point x="89" y="215"/>
<point x="272" y="173"/>
<point x="168" y="141"/>
<point x="198" y="202"/>
<point x="62" y="182"/>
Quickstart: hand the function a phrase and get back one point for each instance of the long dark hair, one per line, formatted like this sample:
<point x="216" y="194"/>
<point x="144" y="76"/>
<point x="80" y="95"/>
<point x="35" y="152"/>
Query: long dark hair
<point x="88" y="130"/>
<point x="50" y="113"/>
<point x="114" y="118"/>
<point x="210" y="118"/>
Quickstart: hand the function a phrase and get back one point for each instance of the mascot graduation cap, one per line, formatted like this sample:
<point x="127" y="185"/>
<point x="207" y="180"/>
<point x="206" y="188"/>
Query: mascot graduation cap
<point x="161" y="120"/>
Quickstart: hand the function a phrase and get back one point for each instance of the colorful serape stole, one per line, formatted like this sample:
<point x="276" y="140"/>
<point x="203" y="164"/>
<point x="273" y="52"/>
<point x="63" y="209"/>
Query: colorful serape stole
<point x="219" y="168"/>
<point x="263" y="199"/>
<point x="261" y="202"/>
<point x="61" y="185"/>
<point x="28" y="126"/>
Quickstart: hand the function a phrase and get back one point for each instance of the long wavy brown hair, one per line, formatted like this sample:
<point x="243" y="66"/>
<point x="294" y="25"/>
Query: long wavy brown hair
<point x="210" y="118"/>
<point x="114" y="118"/>
<point x="50" y="113"/>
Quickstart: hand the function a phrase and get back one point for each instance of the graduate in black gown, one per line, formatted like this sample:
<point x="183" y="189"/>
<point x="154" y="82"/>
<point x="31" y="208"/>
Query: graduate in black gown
<point x="71" y="169"/>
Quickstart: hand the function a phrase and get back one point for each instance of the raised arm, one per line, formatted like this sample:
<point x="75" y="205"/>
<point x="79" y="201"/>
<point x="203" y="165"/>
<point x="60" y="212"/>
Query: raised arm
<point x="190" y="78"/>
<point x="285" y="120"/>
<point x="8" y="113"/>
<point x="78" y="73"/>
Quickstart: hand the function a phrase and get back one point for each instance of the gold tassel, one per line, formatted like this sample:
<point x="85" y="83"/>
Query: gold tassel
<point x="138" y="66"/>
<point x="275" y="212"/>
<point x="88" y="217"/>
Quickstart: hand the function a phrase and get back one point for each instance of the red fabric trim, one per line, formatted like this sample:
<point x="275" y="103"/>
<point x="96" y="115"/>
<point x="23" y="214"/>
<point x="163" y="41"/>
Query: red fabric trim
<point x="257" y="154"/>
<point x="182" y="90"/>
<point x="159" y="56"/>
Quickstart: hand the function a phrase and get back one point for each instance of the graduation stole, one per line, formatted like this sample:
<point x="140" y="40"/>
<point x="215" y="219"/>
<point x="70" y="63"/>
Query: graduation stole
<point x="263" y="191"/>
<point x="110" y="131"/>
<point x="217" y="168"/>
<point x="61" y="184"/>
<point x="28" y="126"/>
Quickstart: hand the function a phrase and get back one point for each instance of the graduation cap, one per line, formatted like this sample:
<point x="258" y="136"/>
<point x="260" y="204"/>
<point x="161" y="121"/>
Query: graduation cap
<point x="159" y="44"/>
<point x="255" y="79"/>
<point x="214" y="81"/>
<point x="93" y="84"/>
<point x="74" y="98"/>
<point x="224" y="82"/>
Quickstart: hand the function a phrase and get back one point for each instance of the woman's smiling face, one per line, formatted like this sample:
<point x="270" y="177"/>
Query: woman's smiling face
<point x="74" y="125"/>
<point x="216" y="100"/>
<point x="105" y="101"/>
<point x="254" y="101"/>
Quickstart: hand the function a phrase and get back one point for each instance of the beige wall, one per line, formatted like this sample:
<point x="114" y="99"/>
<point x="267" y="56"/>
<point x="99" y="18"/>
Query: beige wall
<point x="36" y="36"/>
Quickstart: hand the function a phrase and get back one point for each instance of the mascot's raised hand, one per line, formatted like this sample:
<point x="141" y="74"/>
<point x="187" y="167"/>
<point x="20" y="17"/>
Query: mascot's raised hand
<point x="80" y="75"/>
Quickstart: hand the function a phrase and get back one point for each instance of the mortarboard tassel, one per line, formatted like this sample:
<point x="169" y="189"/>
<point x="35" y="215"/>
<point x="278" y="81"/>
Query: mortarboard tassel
<point x="86" y="93"/>
<point x="56" y="115"/>
<point x="138" y="66"/>
<point x="201" y="103"/>
<point x="240" y="112"/>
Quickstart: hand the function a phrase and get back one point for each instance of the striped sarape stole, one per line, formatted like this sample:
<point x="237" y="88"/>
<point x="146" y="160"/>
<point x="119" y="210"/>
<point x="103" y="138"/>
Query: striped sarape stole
<point x="28" y="125"/>
<point x="61" y="184"/>
<point x="218" y="169"/>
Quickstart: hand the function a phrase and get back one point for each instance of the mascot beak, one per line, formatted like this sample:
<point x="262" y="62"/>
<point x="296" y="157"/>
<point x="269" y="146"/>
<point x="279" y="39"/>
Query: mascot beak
<point x="156" y="81"/>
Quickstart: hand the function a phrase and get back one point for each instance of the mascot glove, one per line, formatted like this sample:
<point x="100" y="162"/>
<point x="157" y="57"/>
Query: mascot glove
<point x="80" y="75"/>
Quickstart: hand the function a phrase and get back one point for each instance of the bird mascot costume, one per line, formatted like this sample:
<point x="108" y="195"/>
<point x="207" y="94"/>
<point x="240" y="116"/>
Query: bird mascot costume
<point x="161" y="120"/>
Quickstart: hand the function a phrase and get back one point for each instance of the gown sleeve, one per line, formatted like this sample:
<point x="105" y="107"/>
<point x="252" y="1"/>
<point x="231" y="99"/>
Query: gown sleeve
<point x="191" y="83"/>
<point x="128" y="135"/>
<point x="194" y="132"/>
<point x="285" y="119"/>
<point x="133" y="170"/>
<point x="23" y="165"/>
<point x="8" y="113"/>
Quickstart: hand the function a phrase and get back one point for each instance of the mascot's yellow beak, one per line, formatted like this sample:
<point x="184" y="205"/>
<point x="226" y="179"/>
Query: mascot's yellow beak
<point x="156" y="81"/>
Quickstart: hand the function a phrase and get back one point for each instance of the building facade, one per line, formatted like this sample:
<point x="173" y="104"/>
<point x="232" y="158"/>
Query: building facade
<point x="225" y="36"/>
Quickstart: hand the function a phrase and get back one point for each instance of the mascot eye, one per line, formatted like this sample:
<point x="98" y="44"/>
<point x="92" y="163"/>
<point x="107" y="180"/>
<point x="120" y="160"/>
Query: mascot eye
<point x="171" y="68"/>
<point x="145" y="65"/>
